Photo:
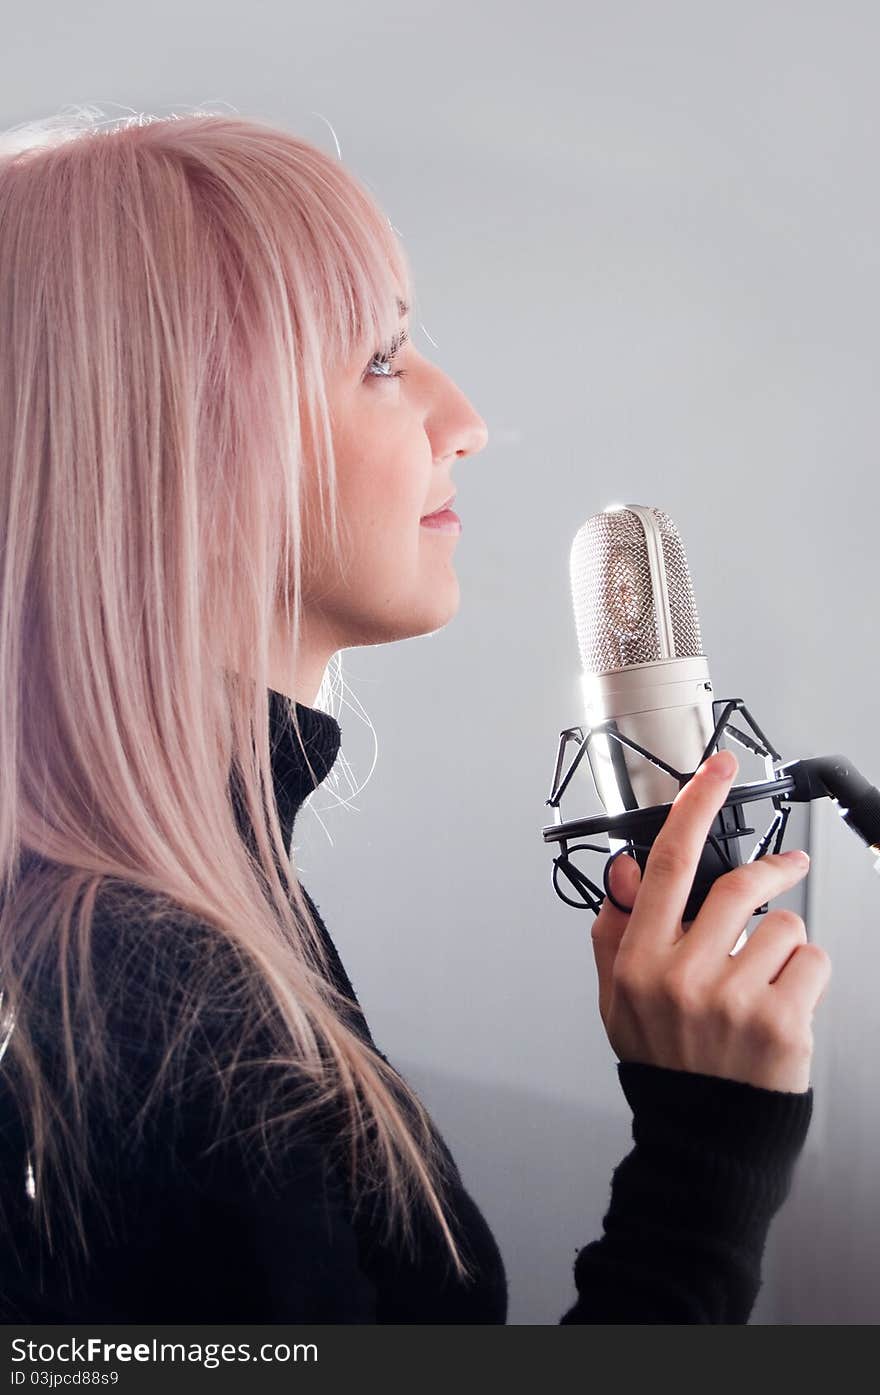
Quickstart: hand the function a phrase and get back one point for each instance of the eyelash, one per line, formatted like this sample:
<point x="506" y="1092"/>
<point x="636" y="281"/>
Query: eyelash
<point x="385" y="356"/>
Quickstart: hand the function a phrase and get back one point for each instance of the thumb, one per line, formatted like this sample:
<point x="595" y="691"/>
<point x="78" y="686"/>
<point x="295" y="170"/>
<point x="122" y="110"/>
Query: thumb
<point x="624" y="879"/>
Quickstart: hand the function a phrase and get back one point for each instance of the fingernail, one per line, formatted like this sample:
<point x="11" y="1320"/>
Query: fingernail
<point x="799" y="856"/>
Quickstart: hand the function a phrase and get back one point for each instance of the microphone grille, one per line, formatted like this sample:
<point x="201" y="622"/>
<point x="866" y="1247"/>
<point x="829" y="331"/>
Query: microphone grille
<point x="631" y="590"/>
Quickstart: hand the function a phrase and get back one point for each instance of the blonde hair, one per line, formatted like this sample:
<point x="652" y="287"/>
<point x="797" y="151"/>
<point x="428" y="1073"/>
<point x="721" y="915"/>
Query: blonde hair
<point x="173" y="293"/>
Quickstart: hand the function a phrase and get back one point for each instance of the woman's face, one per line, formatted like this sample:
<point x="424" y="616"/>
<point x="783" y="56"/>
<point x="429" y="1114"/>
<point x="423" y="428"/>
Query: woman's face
<point x="396" y="440"/>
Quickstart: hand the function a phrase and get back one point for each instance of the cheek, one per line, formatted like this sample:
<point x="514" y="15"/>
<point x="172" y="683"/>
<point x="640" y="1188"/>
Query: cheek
<point x="383" y="481"/>
<point x="390" y="541"/>
<point x="383" y="500"/>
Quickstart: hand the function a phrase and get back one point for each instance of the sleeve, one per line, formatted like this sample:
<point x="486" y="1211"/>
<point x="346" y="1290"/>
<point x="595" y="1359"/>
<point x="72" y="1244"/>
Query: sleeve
<point x="200" y="1216"/>
<point x="692" y="1203"/>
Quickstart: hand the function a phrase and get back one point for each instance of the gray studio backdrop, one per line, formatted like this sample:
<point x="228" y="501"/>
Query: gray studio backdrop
<point x="645" y="238"/>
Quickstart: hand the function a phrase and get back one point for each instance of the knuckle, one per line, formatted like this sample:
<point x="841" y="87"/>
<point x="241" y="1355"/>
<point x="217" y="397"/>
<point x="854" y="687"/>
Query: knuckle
<point x="628" y="977"/>
<point x="597" y="930"/>
<point x="817" y="955"/>
<point x="735" y="1005"/>
<point x="789" y="922"/>
<point x="734" y="887"/>
<point x="784" y="1029"/>
<point x="668" y="859"/>
<point x="755" y="881"/>
<point x="740" y="879"/>
<point x="817" y="962"/>
<point x="681" y="988"/>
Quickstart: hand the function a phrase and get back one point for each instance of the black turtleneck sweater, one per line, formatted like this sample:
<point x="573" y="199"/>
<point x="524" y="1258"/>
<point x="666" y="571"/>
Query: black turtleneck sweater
<point x="198" y="1236"/>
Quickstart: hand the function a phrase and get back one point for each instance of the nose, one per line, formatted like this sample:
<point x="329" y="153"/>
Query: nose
<point x="458" y="427"/>
<point x="479" y="436"/>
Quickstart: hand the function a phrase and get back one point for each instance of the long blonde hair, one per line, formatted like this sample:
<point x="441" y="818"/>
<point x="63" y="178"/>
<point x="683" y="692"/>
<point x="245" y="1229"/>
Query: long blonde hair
<point x="173" y="293"/>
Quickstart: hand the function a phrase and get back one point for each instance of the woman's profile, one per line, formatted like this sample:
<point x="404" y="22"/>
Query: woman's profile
<point x="224" y="461"/>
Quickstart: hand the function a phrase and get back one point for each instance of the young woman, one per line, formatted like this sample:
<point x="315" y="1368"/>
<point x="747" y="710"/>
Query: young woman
<point x="222" y="459"/>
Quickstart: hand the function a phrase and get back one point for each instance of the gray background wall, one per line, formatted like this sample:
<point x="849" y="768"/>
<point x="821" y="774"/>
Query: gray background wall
<point x="645" y="240"/>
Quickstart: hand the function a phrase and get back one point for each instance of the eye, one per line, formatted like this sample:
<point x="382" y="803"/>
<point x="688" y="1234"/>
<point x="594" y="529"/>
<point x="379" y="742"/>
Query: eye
<point x="397" y="373"/>
<point x="381" y="361"/>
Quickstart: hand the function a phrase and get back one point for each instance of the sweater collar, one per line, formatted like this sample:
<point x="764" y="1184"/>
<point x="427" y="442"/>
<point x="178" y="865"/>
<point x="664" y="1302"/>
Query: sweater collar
<point x="292" y="780"/>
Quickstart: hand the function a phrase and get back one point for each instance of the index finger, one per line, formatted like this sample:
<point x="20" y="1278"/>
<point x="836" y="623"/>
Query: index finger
<point x="675" y="855"/>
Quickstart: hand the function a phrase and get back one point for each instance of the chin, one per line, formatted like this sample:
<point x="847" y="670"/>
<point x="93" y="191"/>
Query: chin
<point x="425" y="615"/>
<point x="443" y="610"/>
<point x="427" y="619"/>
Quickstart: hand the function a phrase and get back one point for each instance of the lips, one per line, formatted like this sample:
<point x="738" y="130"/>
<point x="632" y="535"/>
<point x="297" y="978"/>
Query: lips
<point x="448" y="503"/>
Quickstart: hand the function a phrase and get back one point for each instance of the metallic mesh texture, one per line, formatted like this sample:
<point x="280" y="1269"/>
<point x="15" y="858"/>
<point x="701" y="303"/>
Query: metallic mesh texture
<point x="615" y="608"/>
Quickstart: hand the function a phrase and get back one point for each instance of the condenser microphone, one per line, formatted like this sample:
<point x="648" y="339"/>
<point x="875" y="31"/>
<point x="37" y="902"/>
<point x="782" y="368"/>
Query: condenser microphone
<point x="651" y="718"/>
<point x="641" y="649"/>
<point x="644" y="671"/>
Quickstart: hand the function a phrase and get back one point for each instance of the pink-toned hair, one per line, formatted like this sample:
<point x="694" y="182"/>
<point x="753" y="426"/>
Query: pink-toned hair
<point x="173" y="293"/>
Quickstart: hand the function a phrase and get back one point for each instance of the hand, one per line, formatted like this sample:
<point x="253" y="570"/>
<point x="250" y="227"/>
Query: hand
<point x="671" y="995"/>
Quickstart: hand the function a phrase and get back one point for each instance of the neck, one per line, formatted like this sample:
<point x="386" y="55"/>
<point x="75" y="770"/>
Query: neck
<point x="296" y="769"/>
<point x="301" y="679"/>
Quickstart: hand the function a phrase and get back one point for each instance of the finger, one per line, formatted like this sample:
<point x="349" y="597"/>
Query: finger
<point x="609" y="925"/>
<point x="805" y="977"/>
<point x="769" y="947"/>
<point x="733" y="900"/>
<point x="674" y="857"/>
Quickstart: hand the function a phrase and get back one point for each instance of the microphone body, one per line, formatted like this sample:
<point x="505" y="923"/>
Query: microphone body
<point x="652" y="719"/>
<point x="644" y="672"/>
<point x="666" y="706"/>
